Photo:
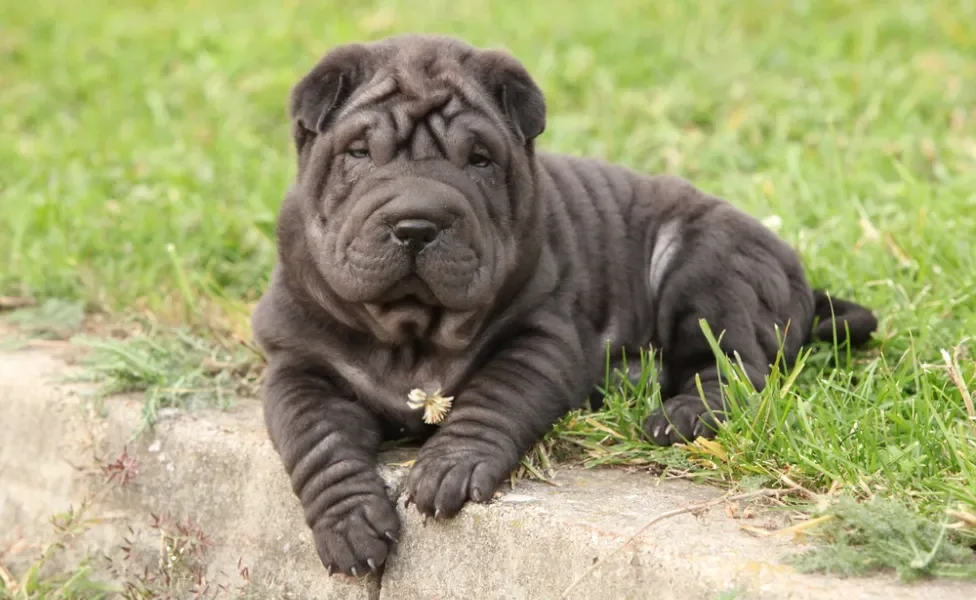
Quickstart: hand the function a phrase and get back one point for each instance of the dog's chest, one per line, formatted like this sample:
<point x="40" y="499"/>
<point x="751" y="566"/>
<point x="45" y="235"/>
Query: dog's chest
<point x="385" y="379"/>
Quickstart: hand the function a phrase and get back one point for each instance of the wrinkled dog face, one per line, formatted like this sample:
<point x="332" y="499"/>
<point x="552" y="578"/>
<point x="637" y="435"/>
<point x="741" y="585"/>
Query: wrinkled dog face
<point x="415" y="176"/>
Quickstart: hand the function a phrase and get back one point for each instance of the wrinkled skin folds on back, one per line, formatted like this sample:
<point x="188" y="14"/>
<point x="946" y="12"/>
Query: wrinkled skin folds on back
<point x="425" y="243"/>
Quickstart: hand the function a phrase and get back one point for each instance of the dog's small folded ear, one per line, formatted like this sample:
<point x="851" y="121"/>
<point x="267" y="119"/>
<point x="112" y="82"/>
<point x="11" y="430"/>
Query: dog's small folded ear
<point x="517" y="94"/>
<point x="315" y="99"/>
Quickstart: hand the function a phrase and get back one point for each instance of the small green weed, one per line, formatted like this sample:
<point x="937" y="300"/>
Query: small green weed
<point x="53" y="318"/>
<point x="164" y="559"/>
<point x="174" y="368"/>
<point x="43" y="580"/>
<point x="865" y="537"/>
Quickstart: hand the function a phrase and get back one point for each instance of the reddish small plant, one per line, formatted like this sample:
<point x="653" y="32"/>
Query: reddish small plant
<point x="124" y="468"/>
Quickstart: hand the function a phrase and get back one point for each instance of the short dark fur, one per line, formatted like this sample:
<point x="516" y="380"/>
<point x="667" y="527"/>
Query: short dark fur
<point x="426" y="244"/>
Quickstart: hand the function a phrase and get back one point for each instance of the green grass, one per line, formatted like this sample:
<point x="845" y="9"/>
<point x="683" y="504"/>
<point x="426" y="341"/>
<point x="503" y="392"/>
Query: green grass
<point x="145" y="151"/>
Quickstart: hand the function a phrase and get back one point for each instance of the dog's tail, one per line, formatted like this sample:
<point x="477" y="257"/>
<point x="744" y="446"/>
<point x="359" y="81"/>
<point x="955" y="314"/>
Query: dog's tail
<point x="849" y="320"/>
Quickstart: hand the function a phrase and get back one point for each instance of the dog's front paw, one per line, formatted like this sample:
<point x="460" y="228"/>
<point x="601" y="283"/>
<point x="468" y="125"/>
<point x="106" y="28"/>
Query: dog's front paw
<point x="354" y="537"/>
<point x="444" y="478"/>
<point x="681" y="419"/>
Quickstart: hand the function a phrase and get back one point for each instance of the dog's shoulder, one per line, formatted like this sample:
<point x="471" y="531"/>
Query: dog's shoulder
<point x="273" y="315"/>
<point x="286" y="328"/>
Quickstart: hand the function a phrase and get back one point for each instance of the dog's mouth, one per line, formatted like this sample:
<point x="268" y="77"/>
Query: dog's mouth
<point x="408" y="309"/>
<point x="409" y="292"/>
<point x="406" y="319"/>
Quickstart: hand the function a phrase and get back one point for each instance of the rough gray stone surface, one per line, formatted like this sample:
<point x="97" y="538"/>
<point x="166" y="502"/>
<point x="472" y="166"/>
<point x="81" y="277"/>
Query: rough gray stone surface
<point x="218" y="469"/>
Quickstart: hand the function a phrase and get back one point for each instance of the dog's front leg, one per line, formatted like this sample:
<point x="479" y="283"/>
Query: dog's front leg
<point x="328" y="444"/>
<point x="509" y="403"/>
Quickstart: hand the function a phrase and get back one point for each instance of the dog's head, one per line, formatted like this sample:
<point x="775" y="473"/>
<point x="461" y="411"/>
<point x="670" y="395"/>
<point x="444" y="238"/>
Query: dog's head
<point x="415" y="184"/>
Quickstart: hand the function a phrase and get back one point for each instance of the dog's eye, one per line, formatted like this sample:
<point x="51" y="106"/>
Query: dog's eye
<point x="477" y="159"/>
<point x="357" y="151"/>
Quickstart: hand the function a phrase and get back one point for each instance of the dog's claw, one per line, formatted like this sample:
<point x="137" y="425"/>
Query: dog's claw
<point x="423" y="520"/>
<point x="437" y="513"/>
<point x="354" y="572"/>
<point x="330" y="569"/>
<point x="372" y="564"/>
<point x="389" y="535"/>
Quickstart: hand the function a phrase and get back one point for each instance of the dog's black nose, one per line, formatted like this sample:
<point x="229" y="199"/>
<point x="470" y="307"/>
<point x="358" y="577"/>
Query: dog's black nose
<point x="415" y="233"/>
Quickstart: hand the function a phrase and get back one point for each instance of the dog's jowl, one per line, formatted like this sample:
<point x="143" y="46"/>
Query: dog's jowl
<point x="440" y="278"/>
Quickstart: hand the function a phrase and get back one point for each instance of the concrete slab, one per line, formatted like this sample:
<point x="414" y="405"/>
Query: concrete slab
<point x="219" y="470"/>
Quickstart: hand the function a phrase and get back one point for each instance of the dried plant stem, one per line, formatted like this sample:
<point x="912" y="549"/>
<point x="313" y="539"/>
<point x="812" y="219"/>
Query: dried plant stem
<point x="955" y="374"/>
<point x="774" y="493"/>
<point x="16" y="302"/>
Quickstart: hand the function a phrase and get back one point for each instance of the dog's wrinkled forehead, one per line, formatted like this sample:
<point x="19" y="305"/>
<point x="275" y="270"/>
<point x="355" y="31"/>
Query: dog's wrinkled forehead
<point x="411" y="90"/>
<point x="412" y="76"/>
<point x="424" y="68"/>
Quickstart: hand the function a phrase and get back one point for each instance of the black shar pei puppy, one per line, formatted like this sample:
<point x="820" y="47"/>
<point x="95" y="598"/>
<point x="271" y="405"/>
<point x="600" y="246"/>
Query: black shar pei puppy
<point x="426" y="245"/>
